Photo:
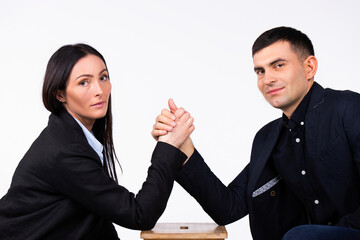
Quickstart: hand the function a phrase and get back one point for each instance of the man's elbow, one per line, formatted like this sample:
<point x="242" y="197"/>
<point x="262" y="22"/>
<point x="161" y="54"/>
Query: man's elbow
<point x="147" y="225"/>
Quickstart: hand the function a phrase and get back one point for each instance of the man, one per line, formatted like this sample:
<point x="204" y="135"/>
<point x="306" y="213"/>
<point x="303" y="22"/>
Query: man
<point x="303" y="177"/>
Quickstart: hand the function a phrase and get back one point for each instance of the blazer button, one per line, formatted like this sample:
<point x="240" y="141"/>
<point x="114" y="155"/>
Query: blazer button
<point x="272" y="193"/>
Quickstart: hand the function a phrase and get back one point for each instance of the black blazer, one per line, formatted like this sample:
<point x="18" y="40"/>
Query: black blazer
<point x="60" y="190"/>
<point x="332" y="139"/>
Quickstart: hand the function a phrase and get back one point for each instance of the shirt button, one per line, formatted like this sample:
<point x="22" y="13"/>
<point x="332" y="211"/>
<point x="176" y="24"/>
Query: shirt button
<point x="302" y="123"/>
<point x="316" y="202"/>
<point x="297" y="140"/>
<point x="303" y="172"/>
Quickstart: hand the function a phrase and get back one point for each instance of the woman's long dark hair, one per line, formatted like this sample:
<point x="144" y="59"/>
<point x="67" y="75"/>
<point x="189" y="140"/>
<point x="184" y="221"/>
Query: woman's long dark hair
<point x="56" y="76"/>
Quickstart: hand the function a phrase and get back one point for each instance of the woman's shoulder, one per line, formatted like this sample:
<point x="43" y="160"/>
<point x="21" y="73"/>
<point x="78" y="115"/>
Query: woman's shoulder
<point x="62" y="136"/>
<point x="63" y="127"/>
<point x="59" y="144"/>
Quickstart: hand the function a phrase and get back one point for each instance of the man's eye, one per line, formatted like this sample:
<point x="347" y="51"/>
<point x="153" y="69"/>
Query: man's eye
<point x="258" y="72"/>
<point x="279" y="65"/>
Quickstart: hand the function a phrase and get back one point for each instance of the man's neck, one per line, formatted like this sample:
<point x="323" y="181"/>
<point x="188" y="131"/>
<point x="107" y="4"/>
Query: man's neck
<point x="289" y="111"/>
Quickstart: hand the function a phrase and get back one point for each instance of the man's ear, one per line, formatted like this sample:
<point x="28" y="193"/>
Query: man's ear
<point x="310" y="66"/>
<point x="60" y="96"/>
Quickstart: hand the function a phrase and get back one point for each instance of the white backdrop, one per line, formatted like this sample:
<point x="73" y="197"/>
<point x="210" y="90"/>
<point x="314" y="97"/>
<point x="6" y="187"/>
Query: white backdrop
<point x="198" y="52"/>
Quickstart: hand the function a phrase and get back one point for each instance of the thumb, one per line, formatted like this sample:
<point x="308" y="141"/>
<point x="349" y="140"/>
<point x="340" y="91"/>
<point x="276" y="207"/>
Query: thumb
<point x="172" y="105"/>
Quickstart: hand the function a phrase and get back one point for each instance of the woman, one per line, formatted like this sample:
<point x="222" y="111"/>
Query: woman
<point x="65" y="187"/>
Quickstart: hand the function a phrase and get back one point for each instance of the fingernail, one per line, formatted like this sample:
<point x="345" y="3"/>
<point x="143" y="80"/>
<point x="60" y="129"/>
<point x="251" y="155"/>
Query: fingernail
<point x="173" y="124"/>
<point x="169" y="128"/>
<point x="173" y="117"/>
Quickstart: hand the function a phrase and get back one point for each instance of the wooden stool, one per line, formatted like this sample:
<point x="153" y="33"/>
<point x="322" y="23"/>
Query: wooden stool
<point x="188" y="231"/>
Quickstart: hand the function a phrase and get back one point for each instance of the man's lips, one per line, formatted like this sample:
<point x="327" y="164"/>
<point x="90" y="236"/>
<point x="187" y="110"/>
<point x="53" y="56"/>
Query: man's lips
<point x="274" y="91"/>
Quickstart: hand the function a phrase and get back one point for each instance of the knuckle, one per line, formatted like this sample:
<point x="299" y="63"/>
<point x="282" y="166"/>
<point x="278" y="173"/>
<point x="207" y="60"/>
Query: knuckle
<point x="162" y="119"/>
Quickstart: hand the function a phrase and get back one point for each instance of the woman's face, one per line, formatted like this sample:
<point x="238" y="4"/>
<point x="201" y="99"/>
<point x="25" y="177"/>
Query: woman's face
<point x="87" y="91"/>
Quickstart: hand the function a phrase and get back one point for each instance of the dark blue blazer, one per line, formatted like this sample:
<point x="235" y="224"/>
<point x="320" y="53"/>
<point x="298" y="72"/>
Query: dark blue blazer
<point x="61" y="191"/>
<point x="332" y="149"/>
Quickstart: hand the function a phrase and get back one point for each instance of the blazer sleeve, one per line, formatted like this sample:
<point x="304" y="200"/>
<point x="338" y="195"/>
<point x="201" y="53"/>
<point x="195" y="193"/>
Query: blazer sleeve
<point x="351" y="121"/>
<point x="78" y="175"/>
<point x="224" y="204"/>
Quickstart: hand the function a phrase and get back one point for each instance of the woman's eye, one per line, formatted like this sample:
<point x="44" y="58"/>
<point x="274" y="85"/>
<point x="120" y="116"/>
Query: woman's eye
<point x="104" y="78"/>
<point x="83" y="83"/>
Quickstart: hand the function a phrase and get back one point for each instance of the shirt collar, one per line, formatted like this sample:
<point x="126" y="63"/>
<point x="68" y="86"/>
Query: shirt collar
<point x="299" y="114"/>
<point x="93" y="142"/>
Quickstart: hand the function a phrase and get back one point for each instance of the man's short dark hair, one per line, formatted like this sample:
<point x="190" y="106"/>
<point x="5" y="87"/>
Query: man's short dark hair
<point x="299" y="42"/>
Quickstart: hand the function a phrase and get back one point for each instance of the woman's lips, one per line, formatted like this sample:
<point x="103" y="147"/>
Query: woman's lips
<point x="98" y="104"/>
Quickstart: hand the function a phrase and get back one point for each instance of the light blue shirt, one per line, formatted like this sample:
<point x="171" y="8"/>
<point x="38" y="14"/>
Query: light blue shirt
<point x="93" y="142"/>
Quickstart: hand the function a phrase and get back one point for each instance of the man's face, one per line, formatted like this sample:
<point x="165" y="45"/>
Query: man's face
<point x="282" y="78"/>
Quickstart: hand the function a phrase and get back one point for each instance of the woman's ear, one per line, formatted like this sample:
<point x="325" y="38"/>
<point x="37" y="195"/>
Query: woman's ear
<point x="60" y="96"/>
<point x="310" y="65"/>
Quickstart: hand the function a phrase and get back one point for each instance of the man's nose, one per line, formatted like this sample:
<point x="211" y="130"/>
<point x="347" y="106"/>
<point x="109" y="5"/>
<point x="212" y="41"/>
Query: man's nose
<point x="269" y="78"/>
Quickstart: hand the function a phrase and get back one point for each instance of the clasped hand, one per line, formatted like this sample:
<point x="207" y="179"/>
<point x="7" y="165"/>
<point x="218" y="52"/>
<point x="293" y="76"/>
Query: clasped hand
<point x="174" y="127"/>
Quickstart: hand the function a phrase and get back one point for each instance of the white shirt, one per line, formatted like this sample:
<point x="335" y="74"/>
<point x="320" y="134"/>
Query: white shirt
<point x="93" y="142"/>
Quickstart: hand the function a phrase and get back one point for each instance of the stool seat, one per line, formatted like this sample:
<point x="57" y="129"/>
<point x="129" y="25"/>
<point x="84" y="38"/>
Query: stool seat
<point x="188" y="231"/>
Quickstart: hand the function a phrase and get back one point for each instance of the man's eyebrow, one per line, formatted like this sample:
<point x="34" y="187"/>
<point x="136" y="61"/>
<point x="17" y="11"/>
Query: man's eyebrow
<point x="258" y="68"/>
<point x="277" y="60"/>
<point x="270" y="64"/>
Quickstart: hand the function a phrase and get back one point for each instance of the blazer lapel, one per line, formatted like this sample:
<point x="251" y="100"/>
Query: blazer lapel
<point x="265" y="152"/>
<point x="312" y="115"/>
<point x="317" y="96"/>
<point x="65" y="121"/>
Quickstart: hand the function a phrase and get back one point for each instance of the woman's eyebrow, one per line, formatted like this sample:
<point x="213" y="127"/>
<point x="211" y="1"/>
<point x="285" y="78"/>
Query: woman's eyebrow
<point x="89" y="75"/>
<point x="104" y="70"/>
<point x="84" y="75"/>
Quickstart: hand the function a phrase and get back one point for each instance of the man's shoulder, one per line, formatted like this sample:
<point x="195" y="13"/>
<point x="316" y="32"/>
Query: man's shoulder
<point x="340" y="100"/>
<point x="331" y="100"/>
<point x="341" y="95"/>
